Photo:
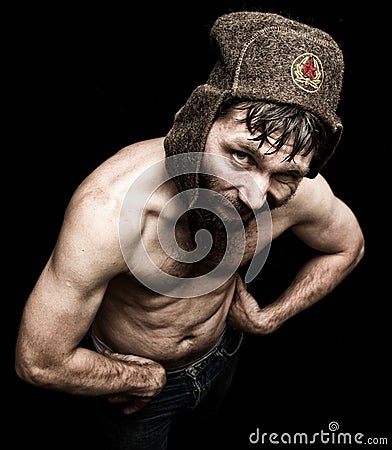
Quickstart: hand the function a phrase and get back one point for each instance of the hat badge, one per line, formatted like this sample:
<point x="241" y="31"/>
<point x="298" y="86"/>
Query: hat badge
<point x="307" y="72"/>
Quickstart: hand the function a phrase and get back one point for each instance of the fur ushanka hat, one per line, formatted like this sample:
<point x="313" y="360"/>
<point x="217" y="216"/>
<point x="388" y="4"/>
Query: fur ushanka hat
<point x="262" y="56"/>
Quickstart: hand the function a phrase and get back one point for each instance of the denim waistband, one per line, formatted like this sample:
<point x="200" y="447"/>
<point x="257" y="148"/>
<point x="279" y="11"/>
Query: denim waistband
<point x="225" y="337"/>
<point x="228" y="334"/>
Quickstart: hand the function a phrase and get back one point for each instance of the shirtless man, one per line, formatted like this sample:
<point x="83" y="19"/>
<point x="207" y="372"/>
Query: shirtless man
<point x="152" y="353"/>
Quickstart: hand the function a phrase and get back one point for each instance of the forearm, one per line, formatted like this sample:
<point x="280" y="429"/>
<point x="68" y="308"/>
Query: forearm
<point x="316" y="279"/>
<point x="89" y="373"/>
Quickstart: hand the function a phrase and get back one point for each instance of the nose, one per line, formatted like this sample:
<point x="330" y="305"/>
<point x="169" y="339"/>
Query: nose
<point x="253" y="192"/>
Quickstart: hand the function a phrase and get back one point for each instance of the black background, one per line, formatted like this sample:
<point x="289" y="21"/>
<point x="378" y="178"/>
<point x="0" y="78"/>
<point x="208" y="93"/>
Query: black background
<point x="78" y="85"/>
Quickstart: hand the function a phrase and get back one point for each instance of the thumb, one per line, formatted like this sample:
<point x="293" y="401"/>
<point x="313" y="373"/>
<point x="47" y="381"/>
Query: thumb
<point x="241" y="287"/>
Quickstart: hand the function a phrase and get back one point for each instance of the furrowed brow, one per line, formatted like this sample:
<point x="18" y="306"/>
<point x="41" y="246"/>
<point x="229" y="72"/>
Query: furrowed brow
<point x="296" y="172"/>
<point x="250" y="147"/>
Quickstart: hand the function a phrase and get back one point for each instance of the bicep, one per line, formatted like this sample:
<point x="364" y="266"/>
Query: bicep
<point x="69" y="291"/>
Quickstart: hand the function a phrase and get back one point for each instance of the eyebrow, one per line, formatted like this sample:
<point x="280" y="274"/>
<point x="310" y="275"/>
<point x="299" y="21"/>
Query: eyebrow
<point x="296" y="172"/>
<point x="292" y="171"/>
<point x="246" y="145"/>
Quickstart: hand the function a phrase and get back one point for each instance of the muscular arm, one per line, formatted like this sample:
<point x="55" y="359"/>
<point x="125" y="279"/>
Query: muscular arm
<point x="326" y="224"/>
<point x="64" y="301"/>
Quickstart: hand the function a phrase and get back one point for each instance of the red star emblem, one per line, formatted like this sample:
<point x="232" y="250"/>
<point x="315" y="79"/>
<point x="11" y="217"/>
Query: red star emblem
<point x="309" y="69"/>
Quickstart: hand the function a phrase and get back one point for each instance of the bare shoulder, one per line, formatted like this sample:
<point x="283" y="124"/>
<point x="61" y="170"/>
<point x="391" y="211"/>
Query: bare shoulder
<point x="324" y="221"/>
<point x="313" y="201"/>
<point x="103" y="190"/>
<point x="313" y="197"/>
<point x="92" y="215"/>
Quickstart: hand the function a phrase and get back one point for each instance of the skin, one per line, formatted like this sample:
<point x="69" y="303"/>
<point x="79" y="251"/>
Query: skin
<point x="87" y="282"/>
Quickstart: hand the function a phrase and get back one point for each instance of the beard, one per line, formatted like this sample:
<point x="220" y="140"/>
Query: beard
<point x="223" y="209"/>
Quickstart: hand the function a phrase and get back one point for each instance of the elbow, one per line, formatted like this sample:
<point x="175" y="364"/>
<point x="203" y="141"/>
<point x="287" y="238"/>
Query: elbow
<point x="357" y="253"/>
<point x="31" y="372"/>
<point x="353" y="254"/>
<point x="360" y="250"/>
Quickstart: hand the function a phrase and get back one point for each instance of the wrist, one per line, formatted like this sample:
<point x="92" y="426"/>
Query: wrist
<point x="268" y="321"/>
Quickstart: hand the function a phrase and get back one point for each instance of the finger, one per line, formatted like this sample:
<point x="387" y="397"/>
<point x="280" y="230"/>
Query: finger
<point x="240" y="285"/>
<point x="130" y="359"/>
<point x="118" y="399"/>
<point x="130" y="409"/>
<point x="240" y="280"/>
<point x="118" y="356"/>
<point x="138" y="404"/>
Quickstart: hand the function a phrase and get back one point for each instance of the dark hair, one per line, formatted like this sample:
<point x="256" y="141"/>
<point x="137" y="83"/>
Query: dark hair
<point x="262" y="119"/>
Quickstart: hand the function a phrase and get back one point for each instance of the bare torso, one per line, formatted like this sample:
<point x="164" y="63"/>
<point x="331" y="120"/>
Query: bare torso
<point x="172" y="331"/>
<point x="134" y="319"/>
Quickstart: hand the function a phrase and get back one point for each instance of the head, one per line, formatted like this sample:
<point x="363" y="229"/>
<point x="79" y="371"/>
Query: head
<point x="273" y="143"/>
<point x="280" y="80"/>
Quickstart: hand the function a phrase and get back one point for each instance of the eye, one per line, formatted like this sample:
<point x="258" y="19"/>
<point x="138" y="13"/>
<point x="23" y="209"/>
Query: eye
<point x="242" y="158"/>
<point x="287" y="179"/>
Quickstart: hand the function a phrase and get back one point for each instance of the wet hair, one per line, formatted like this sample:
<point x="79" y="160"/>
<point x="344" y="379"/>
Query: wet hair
<point x="262" y="119"/>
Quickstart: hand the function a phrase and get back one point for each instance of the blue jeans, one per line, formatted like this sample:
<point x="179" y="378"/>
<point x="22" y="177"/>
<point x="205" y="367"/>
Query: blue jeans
<point x="199" y="387"/>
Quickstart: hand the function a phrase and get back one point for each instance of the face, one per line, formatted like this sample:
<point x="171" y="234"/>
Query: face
<point x="268" y="176"/>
